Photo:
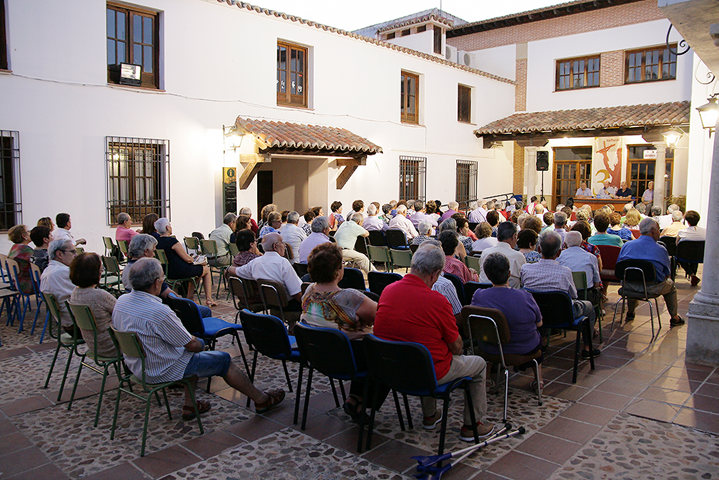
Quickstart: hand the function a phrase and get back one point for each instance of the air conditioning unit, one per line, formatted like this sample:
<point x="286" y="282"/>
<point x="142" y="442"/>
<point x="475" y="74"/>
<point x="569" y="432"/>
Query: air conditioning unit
<point x="465" y="58"/>
<point x="450" y="53"/>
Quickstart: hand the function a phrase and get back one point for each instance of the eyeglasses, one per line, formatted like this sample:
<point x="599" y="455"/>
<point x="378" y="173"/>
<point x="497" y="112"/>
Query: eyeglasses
<point x="69" y="251"/>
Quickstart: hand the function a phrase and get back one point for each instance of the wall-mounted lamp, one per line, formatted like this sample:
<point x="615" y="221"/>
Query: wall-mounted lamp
<point x="708" y="114"/>
<point x="232" y="137"/>
<point x="672" y="136"/>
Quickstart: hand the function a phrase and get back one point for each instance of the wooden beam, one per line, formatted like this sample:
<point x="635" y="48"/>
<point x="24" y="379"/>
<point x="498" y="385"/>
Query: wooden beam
<point x="345" y="162"/>
<point x="250" y="158"/>
<point x="248" y="174"/>
<point x="345" y="175"/>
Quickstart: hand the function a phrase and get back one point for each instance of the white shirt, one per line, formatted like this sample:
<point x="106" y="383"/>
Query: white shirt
<point x="56" y="280"/>
<point x="692" y="234"/>
<point x="664" y="221"/>
<point x="374" y="223"/>
<point x="293" y="235"/>
<point x="221" y="235"/>
<point x="346" y="235"/>
<point x="478" y="215"/>
<point x="584" y="193"/>
<point x="516" y="260"/>
<point x="63" y="234"/>
<point x="484" y="243"/>
<point x="271" y="266"/>
<point x="400" y="222"/>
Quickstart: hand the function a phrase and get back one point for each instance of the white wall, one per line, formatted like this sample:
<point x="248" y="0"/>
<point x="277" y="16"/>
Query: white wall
<point x="499" y="61"/>
<point x="422" y="41"/>
<point x="224" y="69"/>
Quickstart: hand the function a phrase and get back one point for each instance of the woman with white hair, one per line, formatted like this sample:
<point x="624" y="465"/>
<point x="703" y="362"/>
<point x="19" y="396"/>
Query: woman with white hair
<point x="180" y="264"/>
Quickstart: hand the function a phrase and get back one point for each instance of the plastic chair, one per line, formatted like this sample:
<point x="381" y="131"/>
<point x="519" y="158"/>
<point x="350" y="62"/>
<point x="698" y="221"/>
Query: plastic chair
<point x="396" y="239"/>
<point x="109" y="245"/>
<point x="642" y="274"/>
<point x="609" y="254"/>
<point x="83" y="318"/>
<point x="407" y="368"/>
<point x="458" y="285"/>
<point x="130" y="346"/>
<point x="35" y="274"/>
<point x="380" y="254"/>
<point x="489" y="326"/>
<point x="10" y="295"/>
<point x="64" y="340"/>
<point x="361" y="245"/>
<point x="580" y="283"/>
<point x="301" y="269"/>
<point x="472" y="262"/>
<point x="112" y="280"/>
<point x="328" y="351"/>
<point x="274" y="298"/>
<point x="352" y="278"/>
<point x="401" y="258"/>
<point x="22" y="298"/>
<point x="209" y="249"/>
<point x="242" y="299"/>
<point x="689" y="251"/>
<point x="557" y="312"/>
<point x="471" y="287"/>
<point x="379" y="280"/>
<point x="162" y="257"/>
<point x="377" y="238"/>
<point x="192" y="243"/>
<point x="122" y="245"/>
<point x="234" y="251"/>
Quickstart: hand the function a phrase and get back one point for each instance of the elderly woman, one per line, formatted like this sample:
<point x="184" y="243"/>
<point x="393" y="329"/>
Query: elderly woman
<point x="180" y="264"/>
<point x="21" y="252"/>
<point x="425" y="232"/>
<point x="451" y="247"/>
<point x="247" y="245"/>
<point x="325" y="304"/>
<point x="265" y="213"/>
<point x="615" y="227"/>
<point x="465" y="235"/>
<point x="243" y="222"/>
<point x="46" y="222"/>
<point x="148" y="225"/>
<point x="518" y="306"/>
<point x="85" y="273"/>
<point x="484" y="237"/>
<point x="527" y="243"/>
<point x="274" y="222"/>
<point x="124" y="230"/>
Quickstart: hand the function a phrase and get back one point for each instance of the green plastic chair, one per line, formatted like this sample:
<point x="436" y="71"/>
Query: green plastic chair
<point x="162" y="257"/>
<point x="112" y="280"/>
<point x="109" y="245"/>
<point x="122" y="245"/>
<point x="209" y="249"/>
<point x="380" y="254"/>
<point x="129" y="345"/>
<point x="64" y="340"/>
<point x="580" y="283"/>
<point x="84" y="319"/>
<point x="192" y="243"/>
<point x="234" y="251"/>
<point x="472" y="262"/>
<point x="401" y="258"/>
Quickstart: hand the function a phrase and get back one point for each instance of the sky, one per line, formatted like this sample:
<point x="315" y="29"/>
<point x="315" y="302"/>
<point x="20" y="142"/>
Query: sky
<point x="354" y="14"/>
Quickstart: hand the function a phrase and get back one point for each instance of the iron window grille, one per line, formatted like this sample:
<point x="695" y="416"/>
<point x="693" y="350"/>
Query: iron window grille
<point x="10" y="195"/>
<point x="412" y="178"/>
<point x="466" y="190"/>
<point x="138" y="177"/>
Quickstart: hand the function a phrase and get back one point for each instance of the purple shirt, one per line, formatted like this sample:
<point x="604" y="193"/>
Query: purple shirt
<point x="446" y="215"/>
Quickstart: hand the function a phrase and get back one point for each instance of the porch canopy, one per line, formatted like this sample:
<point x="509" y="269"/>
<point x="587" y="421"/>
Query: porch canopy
<point x="285" y="138"/>
<point x="536" y="128"/>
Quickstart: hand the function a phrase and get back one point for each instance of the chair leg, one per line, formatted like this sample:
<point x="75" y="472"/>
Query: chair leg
<point x="52" y="365"/>
<point x="506" y="393"/>
<point x="365" y="395"/>
<point x="375" y="396"/>
<point x="74" y="388"/>
<point x="399" y="410"/>
<point x="252" y="375"/>
<point x="588" y="329"/>
<point x="334" y="392"/>
<point x="144" y="426"/>
<point x="307" y="399"/>
<point x="536" y="379"/>
<point x="297" y="395"/>
<point x="167" y="404"/>
<point x="443" y="429"/>
<point x="287" y="375"/>
<point x="47" y="319"/>
<point x="342" y="390"/>
<point x="659" y="320"/>
<point x="102" y="392"/>
<point x="114" y="417"/>
<point x="242" y="350"/>
<point x="576" y="354"/>
<point x="64" y="376"/>
<point x="472" y="417"/>
<point x="406" y="410"/>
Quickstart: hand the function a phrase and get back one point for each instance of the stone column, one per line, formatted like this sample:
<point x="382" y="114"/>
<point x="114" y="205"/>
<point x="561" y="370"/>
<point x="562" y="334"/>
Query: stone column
<point x="703" y="316"/>
<point x="660" y="169"/>
<point x="530" y="161"/>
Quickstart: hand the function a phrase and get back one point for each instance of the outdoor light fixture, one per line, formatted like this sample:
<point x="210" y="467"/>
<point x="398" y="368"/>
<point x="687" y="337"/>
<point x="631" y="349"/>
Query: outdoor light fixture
<point x="672" y="136"/>
<point x="232" y="138"/>
<point x="708" y="114"/>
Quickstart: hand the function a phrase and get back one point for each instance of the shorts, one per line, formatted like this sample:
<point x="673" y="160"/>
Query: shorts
<point x="208" y="364"/>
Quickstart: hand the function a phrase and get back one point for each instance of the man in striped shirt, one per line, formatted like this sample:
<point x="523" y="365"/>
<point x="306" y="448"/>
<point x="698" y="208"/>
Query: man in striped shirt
<point x="172" y="353"/>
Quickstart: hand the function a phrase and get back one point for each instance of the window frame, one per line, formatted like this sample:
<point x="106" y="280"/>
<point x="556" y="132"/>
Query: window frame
<point x="582" y="172"/>
<point x="467" y="174"/>
<point x="633" y="159"/>
<point x="159" y="176"/>
<point x="148" y="80"/>
<point x="415" y="186"/>
<point x="405" y="98"/>
<point x="642" y="68"/>
<point x="287" y="98"/>
<point x="468" y="92"/>
<point x="4" y="64"/>
<point x="437" y="39"/>
<point x="571" y="74"/>
<point x="10" y="202"/>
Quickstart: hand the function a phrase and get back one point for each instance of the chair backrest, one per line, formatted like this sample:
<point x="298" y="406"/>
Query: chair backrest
<point x="396" y="238"/>
<point x="487" y="325"/>
<point x="471" y="287"/>
<point x="670" y="243"/>
<point x="556" y="308"/>
<point x="636" y="271"/>
<point x="327" y="350"/>
<point x="234" y="251"/>
<point x="122" y="245"/>
<point x="376" y="238"/>
<point x="192" y="243"/>
<point x="109" y="245"/>
<point x="352" y="278"/>
<point x="378" y="253"/>
<point x="609" y="254"/>
<point x="3" y="266"/>
<point x="238" y="293"/>
<point x="472" y="262"/>
<point x="691" y="251"/>
<point x="300" y="268"/>
<point x="266" y="333"/>
<point x="580" y="282"/>
<point x="209" y="248"/>
<point x="161" y="256"/>
<point x="188" y="313"/>
<point x="54" y="309"/>
<point x="458" y="285"/>
<point x="473" y="225"/>
<point x="636" y="234"/>
<point x="111" y="265"/>
<point x="379" y="280"/>
<point x="129" y="345"/>
<point x="413" y="248"/>
<point x="361" y="245"/>
<point x="401" y="258"/>
<point x="13" y="271"/>
<point x="35" y="275"/>
<point x="404" y="366"/>
<point x="84" y="319"/>
<point x="198" y="235"/>
<point x="273" y="293"/>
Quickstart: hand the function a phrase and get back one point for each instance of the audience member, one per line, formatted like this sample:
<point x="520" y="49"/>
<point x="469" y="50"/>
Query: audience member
<point x="493" y="220"/>
<point x="451" y="247"/>
<point x="428" y="319"/>
<point x="335" y="217"/>
<point x="425" y="233"/>
<point x="632" y="219"/>
<point x="124" y="229"/>
<point x="56" y="278"/>
<point x="46" y="222"/>
<point x="21" y="252"/>
<point x="532" y="205"/>
<point x="85" y="274"/>
<point x="242" y="223"/>
<point x="527" y="243"/>
<point x="400" y="222"/>
<point x="320" y="234"/>
<point x="346" y="238"/>
<point x="464" y="233"/>
<point x="41" y="236"/>
<point x="357" y="207"/>
<point x="373" y="222"/>
<point x="293" y="235"/>
<point x="485" y="239"/>
<point x="422" y="214"/>
<point x="479" y="213"/>
<point x="62" y="232"/>
<point x="451" y="210"/>
<point x="585" y="230"/>
<point x="676" y="226"/>
<point x="532" y="222"/>
<point x="601" y="223"/>
<point x="247" y="246"/>
<point x="148" y="225"/>
<point x="576" y="259"/>
<point x="617" y="229"/>
<point x="666" y="220"/>
<point x="222" y="237"/>
<point x="247" y="212"/>
<point x="690" y="234"/>
<point x="548" y="219"/>
<point x="646" y="248"/>
<point x="507" y="240"/>
<point x="272" y="225"/>
<point x="265" y="213"/>
<point x="308" y="217"/>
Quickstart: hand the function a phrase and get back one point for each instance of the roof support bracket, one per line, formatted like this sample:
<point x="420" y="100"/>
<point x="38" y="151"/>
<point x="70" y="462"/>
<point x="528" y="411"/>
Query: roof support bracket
<point x="349" y="166"/>
<point x="252" y="164"/>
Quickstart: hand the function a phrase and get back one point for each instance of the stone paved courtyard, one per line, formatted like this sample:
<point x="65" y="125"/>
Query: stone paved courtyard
<point x="644" y="413"/>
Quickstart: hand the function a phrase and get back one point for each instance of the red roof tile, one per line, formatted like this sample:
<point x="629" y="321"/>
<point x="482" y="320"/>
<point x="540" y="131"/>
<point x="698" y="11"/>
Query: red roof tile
<point x="675" y="113"/>
<point x="307" y="138"/>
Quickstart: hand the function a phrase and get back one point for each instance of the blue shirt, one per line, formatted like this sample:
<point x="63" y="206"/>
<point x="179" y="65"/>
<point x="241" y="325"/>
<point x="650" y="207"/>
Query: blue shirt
<point x="645" y="248"/>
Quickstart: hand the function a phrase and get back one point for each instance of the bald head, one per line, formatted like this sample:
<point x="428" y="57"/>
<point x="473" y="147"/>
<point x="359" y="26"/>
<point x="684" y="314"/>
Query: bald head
<point x="269" y="241"/>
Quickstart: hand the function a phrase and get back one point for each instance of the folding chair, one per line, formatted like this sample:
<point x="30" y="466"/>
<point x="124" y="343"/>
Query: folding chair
<point x="458" y="285"/>
<point x="380" y="254"/>
<point x="642" y="274"/>
<point x="162" y="257"/>
<point x="274" y="298"/>
<point x="471" y="287"/>
<point x="209" y="249"/>
<point x="396" y="239"/>
<point x="401" y="258"/>
<point x="112" y="279"/>
<point x="64" y="340"/>
<point x="352" y="278"/>
<point x="379" y="280"/>
<point x="580" y="283"/>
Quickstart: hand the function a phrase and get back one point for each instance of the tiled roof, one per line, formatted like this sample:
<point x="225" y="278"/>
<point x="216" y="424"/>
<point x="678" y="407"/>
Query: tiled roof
<point x="675" y="113"/>
<point x="297" y="137"/>
<point x="391" y="46"/>
<point x="412" y="21"/>
<point x="423" y="16"/>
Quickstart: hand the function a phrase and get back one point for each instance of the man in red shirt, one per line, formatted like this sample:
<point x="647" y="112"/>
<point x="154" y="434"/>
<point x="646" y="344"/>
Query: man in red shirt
<point x="409" y="311"/>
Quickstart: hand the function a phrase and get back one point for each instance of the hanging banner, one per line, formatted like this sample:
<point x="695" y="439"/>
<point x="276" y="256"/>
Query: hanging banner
<point x="607" y="162"/>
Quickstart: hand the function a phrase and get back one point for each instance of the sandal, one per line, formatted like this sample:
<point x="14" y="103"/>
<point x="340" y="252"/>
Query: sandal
<point x="276" y="396"/>
<point x="210" y="303"/>
<point x="350" y="408"/>
<point x="534" y="385"/>
<point x="188" y="412"/>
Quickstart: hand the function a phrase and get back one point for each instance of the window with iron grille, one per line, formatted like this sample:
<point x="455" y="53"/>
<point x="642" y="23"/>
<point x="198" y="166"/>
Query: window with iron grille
<point x="133" y="36"/>
<point x="412" y="180"/>
<point x="648" y="65"/>
<point x="466" y="182"/>
<point x="464" y="104"/>
<point x="578" y="73"/>
<point x="409" y="95"/>
<point x="10" y="197"/>
<point x="291" y="75"/>
<point x="138" y="177"/>
<point x="3" y="38"/>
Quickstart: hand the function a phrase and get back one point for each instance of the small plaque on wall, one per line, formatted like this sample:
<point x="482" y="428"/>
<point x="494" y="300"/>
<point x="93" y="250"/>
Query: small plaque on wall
<point x="229" y="189"/>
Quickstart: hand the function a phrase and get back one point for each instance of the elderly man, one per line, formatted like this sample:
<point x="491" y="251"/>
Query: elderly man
<point x="624" y="191"/>
<point x="172" y="353"/>
<point x="428" y="320"/>
<point x="56" y="278"/>
<point x="690" y="234"/>
<point x="666" y="220"/>
<point x="401" y="222"/>
<point x="373" y="222"/>
<point x="646" y="248"/>
<point x="444" y="286"/>
<point x="221" y="235"/>
<point x="346" y="237"/>
<point x="421" y="215"/>
<point x="560" y="224"/>
<point x="124" y="230"/>
<point x="506" y="241"/>
<point x="676" y="226"/>
<point x="274" y="266"/>
<point x="479" y="214"/>
<point x="451" y="210"/>
<point x="583" y="191"/>
<point x="320" y="234"/>
<point x="548" y="275"/>
<point x="62" y="232"/>
<point x="607" y="191"/>
<point x="293" y="235"/>
<point x="576" y="259"/>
